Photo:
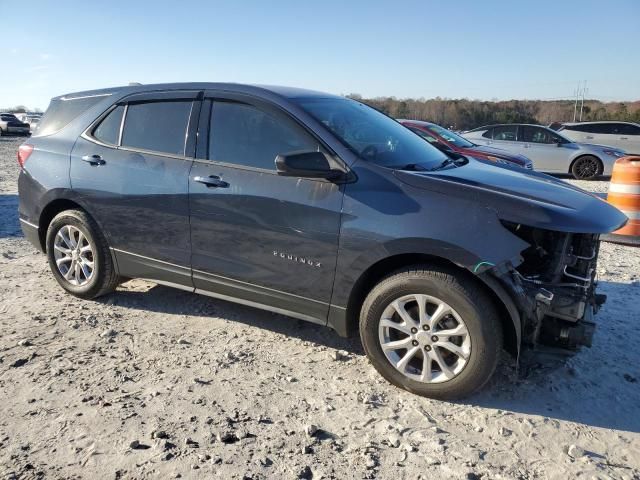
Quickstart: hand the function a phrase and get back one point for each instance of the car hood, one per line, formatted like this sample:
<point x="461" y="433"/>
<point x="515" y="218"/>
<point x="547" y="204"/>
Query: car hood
<point x="521" y="196"/>
<point x="500" y="153"/>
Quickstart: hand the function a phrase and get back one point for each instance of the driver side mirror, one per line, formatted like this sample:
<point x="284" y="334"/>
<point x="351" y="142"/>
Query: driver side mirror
<point x="312" y="164"/>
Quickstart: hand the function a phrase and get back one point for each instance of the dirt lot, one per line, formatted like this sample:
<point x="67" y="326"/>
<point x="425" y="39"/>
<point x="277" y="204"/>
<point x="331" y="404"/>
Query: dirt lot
<point x="152" y="382"/>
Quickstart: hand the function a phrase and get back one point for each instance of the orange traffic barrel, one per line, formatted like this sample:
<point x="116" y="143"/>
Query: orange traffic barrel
<point x="624" y="193"/>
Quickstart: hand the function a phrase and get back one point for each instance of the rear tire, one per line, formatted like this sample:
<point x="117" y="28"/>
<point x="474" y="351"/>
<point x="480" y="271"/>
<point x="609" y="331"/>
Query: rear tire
<point x="587" y="167"/>
<point x="79" y="255"/>
<point x="463" y="310"/>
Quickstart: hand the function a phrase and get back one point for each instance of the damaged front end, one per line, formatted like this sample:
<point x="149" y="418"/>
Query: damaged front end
<point x="555" y="287"/>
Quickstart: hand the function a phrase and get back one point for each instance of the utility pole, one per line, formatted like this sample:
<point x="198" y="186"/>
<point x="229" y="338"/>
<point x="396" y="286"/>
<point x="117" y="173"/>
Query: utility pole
<point x="584" y="91"/>
<point x="575" y="105"/>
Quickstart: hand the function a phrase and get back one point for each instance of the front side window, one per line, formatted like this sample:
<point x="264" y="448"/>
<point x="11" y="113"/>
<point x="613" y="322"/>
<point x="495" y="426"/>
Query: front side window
<point x="541" y="135"/>
<point x="157" y="126"/>
<point x="108" y="131"/>
<point x="244" y="135"/>
<point x="372" y="135"/>
<point x="505" y="132"/>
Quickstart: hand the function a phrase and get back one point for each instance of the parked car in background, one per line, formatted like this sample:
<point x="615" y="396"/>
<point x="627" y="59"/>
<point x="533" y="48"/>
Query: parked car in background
<point x="549" y="151"/>
<point x="622" y="135"/>
<point x="9" y="124"/>
<point x="448" y="141"/>
<point x="32" y="118"/>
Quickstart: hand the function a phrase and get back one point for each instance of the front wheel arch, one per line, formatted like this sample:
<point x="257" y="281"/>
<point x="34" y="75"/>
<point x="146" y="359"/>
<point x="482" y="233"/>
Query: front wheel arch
<point x="509" y="316"/>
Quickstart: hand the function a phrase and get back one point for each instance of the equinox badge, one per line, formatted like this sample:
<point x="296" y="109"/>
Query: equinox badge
<point x="295" y="258"/>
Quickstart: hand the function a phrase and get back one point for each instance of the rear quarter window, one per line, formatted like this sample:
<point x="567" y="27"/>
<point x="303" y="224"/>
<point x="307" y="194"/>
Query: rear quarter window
<point x="62" y="111"/>
<point x="108" y="130"/>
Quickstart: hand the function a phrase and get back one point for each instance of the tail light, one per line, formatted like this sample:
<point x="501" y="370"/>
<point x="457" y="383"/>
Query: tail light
<point x="24" y="151"/>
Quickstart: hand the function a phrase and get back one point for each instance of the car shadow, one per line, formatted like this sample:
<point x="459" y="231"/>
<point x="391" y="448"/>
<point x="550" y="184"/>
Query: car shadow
<point x="10" y="226"/>
<point x="173" y="301"/>
<point x="594" y="387"/>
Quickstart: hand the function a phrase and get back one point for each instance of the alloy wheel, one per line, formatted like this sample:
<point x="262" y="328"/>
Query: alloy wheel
<point x="74" y="255"/>
<point x="587" y="167"/>
<point x="424" y="338"/>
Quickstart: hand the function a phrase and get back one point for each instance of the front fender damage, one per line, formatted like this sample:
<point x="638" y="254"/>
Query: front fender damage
<point x="553" y="287"/>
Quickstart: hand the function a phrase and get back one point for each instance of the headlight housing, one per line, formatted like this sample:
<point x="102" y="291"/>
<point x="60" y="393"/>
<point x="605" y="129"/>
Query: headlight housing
<point x="614" y="153"/>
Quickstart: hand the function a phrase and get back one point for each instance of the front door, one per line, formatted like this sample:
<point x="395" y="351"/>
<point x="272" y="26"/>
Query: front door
<point x="546" y="150"/>
<point x="131" y="173"/>
<point x="265" y="239"/>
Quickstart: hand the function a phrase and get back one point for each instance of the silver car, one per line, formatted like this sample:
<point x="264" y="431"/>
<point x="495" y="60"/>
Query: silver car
<point x="549" y="151"/>
<point x="622" y="135"/>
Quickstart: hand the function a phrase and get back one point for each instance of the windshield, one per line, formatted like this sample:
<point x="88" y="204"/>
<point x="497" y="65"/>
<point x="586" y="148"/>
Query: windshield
<point x="372" y="135"/>
<point x="450" y="137"/>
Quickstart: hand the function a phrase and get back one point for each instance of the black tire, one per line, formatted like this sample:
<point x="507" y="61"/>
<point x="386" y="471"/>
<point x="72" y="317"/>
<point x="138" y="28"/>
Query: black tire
<point x="466" y="298"/>
<point x="104" y="278"/>
<point x="586" y="167"/>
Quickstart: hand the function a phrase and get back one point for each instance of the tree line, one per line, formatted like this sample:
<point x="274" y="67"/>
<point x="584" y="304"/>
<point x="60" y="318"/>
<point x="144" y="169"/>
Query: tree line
<point x="464" y="114"/>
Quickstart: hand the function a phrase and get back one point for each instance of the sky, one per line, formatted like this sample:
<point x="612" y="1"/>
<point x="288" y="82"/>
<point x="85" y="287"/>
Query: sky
<point x="489" y="49"/>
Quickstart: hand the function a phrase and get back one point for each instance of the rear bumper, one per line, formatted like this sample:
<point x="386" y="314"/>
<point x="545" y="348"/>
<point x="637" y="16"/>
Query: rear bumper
<point x="31" y="233"/>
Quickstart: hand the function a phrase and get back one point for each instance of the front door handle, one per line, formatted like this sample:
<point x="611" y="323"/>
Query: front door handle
<point x="589" y="137"/>
<point x="93" y="160"/>
<point x="212" y="181"/>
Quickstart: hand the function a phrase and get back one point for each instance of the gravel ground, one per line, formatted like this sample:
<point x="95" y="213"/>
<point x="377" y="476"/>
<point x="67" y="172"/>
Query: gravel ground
<point x="151" y="382"/>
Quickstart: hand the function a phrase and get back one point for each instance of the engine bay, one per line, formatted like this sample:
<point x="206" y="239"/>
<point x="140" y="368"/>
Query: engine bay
<point x="556" y="282"/>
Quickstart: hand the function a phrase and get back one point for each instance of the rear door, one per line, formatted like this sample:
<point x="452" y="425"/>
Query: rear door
<point x="131" y="170"/>
<point x="265" y="239"/>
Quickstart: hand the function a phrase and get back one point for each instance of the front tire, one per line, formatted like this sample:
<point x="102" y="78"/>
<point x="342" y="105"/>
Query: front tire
<point x="587" y="167"/>
<point x="431" y="331"/>
<point x="79" y="256"/>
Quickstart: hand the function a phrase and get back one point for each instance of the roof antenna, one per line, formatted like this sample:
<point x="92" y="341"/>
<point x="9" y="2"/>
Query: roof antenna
<point x="134" y="84"/>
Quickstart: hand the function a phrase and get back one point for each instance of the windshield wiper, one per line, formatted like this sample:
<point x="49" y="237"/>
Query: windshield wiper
<point x="413" y="167"/>
<point x="447" y="162"/>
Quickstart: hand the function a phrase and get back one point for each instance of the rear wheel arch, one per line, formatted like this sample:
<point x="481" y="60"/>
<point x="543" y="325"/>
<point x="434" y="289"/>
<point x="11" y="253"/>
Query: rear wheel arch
<point x="509" y="315"/>
<point x="49" y="212"/>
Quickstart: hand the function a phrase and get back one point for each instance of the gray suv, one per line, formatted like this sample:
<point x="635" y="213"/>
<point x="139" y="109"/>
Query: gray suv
<point x="320" y="208"/>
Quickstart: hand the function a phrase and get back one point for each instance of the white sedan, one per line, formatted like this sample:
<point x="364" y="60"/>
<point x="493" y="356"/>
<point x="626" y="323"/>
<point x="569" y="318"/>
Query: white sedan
<point x="548" y="150"/>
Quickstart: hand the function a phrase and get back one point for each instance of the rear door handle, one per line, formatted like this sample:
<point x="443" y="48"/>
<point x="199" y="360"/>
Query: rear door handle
<point x="589" y="137"/>
<point x="93" y="160"/>
<point x="624" y="138"/>
<point x="212" y="181"/>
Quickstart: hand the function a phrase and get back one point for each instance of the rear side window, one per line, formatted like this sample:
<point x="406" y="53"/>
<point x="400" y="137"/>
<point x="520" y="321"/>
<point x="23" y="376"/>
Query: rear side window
<point x="244" y="135"/>
<point x="602" y="128"/>
<point x="505" y="132"/>
<point x="62" y="111"/>
<point x="157" y="126"/>
<point x="108" y="131"/>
